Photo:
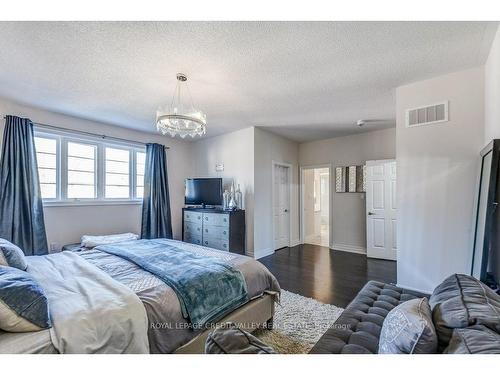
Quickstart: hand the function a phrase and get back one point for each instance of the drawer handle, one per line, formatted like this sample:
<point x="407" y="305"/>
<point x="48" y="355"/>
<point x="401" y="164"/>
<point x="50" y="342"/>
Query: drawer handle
<point x="206" y="242"/>
<point x="225" y="220"/>
<point x="224" y="245"/>
<point x="206" y="230"/>
<point x="206" y="218"/>
<point x="198" y="229"/>
<point x="224" y="232"/>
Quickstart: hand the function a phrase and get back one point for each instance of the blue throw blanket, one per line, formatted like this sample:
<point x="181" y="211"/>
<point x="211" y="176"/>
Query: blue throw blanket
<point x="207" y="287"/>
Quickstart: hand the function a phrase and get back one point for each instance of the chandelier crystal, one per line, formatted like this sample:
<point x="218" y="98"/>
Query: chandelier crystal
<point x="181" y="118"/>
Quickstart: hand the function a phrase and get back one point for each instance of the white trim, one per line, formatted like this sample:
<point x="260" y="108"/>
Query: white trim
<point x="348" y="248"/>
<point x="301" y="201"/>
<point x="295" y="242"/>
<point x="290" y="170"/>
<point x="413" y="288"/>
<point x="375" y="162"/>
<point x="264" y="253"/>
<point x="90" y="202"/>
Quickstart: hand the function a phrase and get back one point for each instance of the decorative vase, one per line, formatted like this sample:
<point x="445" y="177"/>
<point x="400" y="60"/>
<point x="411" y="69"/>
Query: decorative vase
<point x="232" y="201"/>
<point x="239" y="198"/>
<point x="225" y="198"/>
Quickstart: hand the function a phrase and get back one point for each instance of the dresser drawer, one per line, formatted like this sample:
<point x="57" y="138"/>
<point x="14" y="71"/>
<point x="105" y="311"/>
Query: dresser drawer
<point x="216" y="219"/>
<point x="193" y="217"/>
<point x="215" y="243"/>
<point x="214" y="231"/>
<point x="192" y="229"/>
<point x="192" y="239"/>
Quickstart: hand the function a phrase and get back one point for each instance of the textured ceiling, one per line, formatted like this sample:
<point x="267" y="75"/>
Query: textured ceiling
<point x="302" y="80"/>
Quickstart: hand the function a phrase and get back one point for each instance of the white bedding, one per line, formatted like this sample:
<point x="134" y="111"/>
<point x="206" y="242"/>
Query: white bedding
<point x="91" y="312"/>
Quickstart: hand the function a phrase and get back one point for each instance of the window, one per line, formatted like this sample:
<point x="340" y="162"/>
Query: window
<point x="76" y="169"/>
<point x="140" y="160"/>
<point x="81" y="170"/>
<point x="117" y="173"/>
<point x="46" y="155"/>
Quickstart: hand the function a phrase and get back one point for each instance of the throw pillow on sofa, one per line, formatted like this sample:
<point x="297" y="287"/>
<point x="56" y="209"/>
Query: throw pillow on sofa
<point x="23" y="304"/>
<point x="408" y="329"/>
<point x="474" y="340"/>
<point x="462" y="301"/>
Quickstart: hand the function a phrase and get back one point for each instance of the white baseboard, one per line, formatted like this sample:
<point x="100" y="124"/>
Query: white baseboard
<point x="263" y="253"/>
<point x="295" y="243"/>
<point x="348" y="248"/>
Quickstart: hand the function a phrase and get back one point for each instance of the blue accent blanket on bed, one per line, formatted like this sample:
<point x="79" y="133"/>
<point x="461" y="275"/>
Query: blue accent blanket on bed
<point x="207" y="287"/>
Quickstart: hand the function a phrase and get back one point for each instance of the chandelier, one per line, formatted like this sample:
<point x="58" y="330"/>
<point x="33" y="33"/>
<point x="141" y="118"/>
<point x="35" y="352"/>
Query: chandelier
<point x="181" y="118"/>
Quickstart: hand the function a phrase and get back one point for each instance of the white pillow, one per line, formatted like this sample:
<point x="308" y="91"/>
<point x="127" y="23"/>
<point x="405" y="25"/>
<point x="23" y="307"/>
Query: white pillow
<point x="93" y="241"/>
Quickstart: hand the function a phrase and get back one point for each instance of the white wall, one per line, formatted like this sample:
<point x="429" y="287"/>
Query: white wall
<point x="270" y="147"/>
<point x="492" y="92"/>
<point x="437" y="174"/>
<point x="348" y="229"/>
<point x="236" y="151"/>
<point x="67" y="224"/>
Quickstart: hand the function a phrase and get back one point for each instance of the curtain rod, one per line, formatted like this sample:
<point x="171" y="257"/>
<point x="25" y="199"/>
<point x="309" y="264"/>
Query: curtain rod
<point x="102" y="136"/>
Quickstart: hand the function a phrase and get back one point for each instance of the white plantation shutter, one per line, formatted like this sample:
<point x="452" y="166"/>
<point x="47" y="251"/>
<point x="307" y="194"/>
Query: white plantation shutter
<point x="46" y="155"/>
<point x="117" y="173"/>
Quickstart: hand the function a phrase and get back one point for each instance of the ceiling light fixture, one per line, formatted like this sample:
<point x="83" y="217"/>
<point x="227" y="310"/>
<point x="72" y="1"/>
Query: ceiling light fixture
<point x="181" y="118"/>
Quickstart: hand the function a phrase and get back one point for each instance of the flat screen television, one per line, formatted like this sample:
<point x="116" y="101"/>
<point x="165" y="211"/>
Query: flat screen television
<point x="203" y="191"/>
<point x="486" y="250"/>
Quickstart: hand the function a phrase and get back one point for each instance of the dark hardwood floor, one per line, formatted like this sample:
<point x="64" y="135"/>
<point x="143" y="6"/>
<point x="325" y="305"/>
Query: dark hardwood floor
<point x="329" y="276"/>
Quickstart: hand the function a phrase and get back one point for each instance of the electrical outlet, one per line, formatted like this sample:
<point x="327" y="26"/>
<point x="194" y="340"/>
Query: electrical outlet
<point x="54" y="247"/>
<point x="219" y="167"/>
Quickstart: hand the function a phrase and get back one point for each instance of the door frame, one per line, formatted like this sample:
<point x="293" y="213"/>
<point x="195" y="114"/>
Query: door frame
<point x="370" y="163"/>
<point x="330" y="197"/>
<point x="273" y="177"/>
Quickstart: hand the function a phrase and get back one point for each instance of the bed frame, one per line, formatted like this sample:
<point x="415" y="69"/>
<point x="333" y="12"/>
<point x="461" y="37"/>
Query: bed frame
<point x="257" y="313"/>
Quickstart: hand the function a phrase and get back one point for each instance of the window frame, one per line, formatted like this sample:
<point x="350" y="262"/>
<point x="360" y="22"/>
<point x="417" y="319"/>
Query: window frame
<point x="62" y="138"/>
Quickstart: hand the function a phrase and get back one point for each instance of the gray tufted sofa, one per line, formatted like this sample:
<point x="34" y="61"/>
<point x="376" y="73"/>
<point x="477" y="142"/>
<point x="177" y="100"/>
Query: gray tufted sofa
<point x="357" y="330"/>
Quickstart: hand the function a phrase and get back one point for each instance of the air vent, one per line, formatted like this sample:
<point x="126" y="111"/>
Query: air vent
<point x="427" y="115"/>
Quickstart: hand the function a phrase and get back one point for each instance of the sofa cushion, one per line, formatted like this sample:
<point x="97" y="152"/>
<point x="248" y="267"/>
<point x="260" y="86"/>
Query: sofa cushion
<point x="462" y="301"/>
<point x="229" y="339"/>
<point x="408" y="329"/>
<point x="11" y="255"/>
<point x="474" y="340"/>
<point x="358" y="328"/>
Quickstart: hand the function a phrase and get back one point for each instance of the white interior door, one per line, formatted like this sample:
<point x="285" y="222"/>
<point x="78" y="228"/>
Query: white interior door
<point x="281" y="209"/>
<point x="381" y="209"/>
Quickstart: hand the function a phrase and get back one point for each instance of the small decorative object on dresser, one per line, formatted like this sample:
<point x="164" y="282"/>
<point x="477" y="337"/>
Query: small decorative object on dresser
<point x="215" y="228"/>
<point x="225" y="199"/>
<point x="239" y="198"/>
<point x="232" y="199"/>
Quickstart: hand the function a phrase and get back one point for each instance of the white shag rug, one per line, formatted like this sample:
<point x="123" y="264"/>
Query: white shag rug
<point x="299" y="322"/>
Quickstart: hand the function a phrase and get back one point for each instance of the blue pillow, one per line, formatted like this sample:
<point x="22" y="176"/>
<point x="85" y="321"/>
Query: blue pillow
<point x="11" y="255"/>
<point x="23" y="304"/>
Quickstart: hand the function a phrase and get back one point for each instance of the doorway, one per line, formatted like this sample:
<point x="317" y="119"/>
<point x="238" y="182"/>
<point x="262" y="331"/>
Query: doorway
<point x="316" y="205"/>
<point x="281" y="204"/>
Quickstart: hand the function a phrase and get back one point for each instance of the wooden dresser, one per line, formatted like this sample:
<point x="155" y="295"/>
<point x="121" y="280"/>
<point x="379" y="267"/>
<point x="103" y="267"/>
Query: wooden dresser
<point x="215" y="228"/>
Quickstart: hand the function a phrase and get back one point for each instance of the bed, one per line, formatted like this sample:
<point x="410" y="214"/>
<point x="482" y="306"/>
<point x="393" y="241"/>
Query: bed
<point x="94" y="287"/>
